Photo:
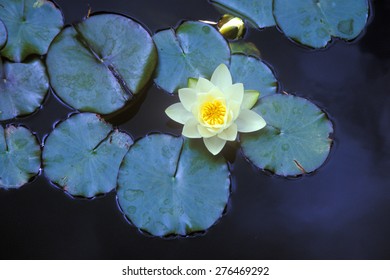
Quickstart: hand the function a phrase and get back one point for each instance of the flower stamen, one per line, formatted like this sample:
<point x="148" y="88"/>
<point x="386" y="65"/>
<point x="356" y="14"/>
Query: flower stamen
<point x="213" y="112"/>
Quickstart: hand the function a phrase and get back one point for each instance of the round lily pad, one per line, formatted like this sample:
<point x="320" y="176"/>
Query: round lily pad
<point x="99" y="64"/>
<point x="3" y="35"/>
<point x="296" y="139"/>
<point x="22" y="88"/>
<point x="20" y="156"/>
<point x="313" y="23"/>
<point x="254" y="74"/>
<point x="168" y="185"/>
<point x="257" y="12"/>
<point x="31" y="25"/>
<point x="82" y="155"/>
<point x="194" y="50"/>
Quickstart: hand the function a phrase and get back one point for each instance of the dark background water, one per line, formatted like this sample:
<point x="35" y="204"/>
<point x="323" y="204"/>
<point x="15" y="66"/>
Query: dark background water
<point x="340" y="212"/>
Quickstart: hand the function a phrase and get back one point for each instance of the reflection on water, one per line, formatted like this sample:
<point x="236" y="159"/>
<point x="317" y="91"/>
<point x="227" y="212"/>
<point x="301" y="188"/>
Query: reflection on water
<point x="341" y="211"/>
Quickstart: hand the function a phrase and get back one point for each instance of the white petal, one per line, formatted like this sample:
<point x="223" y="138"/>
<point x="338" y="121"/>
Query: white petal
<point x="190" y="129"/>
<point x="249" y="121"/>
<point x="178" y="113"/>
<point x="187" y="97"/>
<point x="205" y="132"/>
<point x="204" y="85"/>
<point x="230" y="133"/>
<point x="235" y="92"/>
<point x="214" y="144"/>
<point x="250" y="99"/>
<point x="235" y="109"/>
<point x="221" y="77"/>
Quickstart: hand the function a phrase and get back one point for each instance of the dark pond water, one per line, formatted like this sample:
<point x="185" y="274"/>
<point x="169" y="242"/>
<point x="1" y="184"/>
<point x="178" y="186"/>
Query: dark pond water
<point x="340" y="212"/>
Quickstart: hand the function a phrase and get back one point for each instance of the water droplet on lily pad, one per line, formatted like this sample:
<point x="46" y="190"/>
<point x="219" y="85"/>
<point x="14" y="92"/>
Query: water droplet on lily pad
<point x="291" y="144"/>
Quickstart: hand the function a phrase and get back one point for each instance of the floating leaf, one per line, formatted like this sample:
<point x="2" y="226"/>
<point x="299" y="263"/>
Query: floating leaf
<point x="313" y="23"/>
<point x="20" y="156"/>
<point x="257" y="12"/>
<point x="254" y="74"/>
<point x="3" y="35"/>
<point x="100" y="63"/>
<point x="295" y="140"/>
<point x="193" y="51"/>
<point x="23" y="87"/>
<point x="31" y="26"/>
<point x="83" y="154"/>
<point x="243" y="47"/>
<point x="167" y="185"/>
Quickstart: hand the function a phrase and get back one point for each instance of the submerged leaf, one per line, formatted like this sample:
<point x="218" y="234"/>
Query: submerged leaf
<point x="99" y="64"/>
<point x="194" y="50"/>
<point x="243" y="47"/>
<point x="23" y="88"/>
<point x="313" y="23"/>
<point x="31" y="27"/>
<point x="296" y="139"/>
<point x="83" y="153"/>
<point x="20" y="156"/>
<point x="177" y="188"/>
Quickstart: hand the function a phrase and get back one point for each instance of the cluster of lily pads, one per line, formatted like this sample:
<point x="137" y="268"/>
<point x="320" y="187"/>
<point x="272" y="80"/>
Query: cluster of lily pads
<point x="104" y="64"/>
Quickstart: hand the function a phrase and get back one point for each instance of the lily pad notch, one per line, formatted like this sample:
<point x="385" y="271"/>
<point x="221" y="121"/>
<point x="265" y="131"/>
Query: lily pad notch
<point x="105" y="61"/>
<point x="178" y="188"/>
<point x="82" y="155"/>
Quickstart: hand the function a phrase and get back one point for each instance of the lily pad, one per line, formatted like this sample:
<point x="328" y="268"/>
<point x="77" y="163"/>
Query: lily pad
<point x="23" y="88"/>
<point x="99" y="64"/>
<point x="168" y="185"/>
<point x="242" y="47"/>
<point x="313" y="23"/>
<point x="296" y="139"/>
<point x="20" y="156"/>
<point x="254" y="74"/>
<point x="3" y="35"/>
<point x="82" y="155"/>
<point x="257" y="12"/>
<point x="31" y="25"/>
<point x="194" y="50"/>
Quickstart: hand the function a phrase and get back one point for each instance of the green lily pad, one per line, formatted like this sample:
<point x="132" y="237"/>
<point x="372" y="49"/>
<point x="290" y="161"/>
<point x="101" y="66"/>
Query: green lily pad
<point x="3" y="35"/>
<point x="31" y="25"/>
<point x="296" y="139"/>
<point x="257" y="12"/>
<point x="20" y="156"/>
<point x="82" y="155"/>
<point x="23" y="88"/>
<point x="254" y="74"/>
<point x="313" y="23"/>
<point x="99" y="64"/>
<point x="168" y="185"/>
<point x="193" y="51"/>
<point x="242" y="47"/>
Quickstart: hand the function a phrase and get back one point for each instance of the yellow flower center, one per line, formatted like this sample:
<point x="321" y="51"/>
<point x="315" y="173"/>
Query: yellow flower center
<point x="213" y="112"/>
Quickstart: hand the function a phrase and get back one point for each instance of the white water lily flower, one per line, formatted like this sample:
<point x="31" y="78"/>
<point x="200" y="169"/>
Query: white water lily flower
<point x="216" y="110"/>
